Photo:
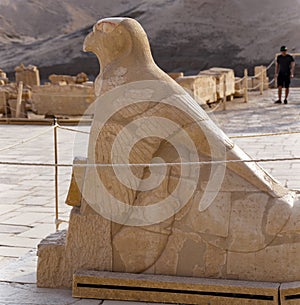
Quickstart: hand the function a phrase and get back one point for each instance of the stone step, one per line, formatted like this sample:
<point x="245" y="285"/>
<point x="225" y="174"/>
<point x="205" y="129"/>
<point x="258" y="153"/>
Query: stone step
<point x="172" y="289"/>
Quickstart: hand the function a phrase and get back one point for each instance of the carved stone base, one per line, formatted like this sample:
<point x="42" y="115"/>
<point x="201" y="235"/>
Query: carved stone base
<point x="61" y="254"/>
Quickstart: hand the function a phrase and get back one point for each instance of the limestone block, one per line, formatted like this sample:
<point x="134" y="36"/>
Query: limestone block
<point x="219" y="79"/>
<point x="63" y="100"/>
<point x="75" y="189"/>
<point x="229" y="79"/>
<point x="28" y="75"/>
<point x="258" y="70"/>
<point x="13" y="106"/>
<point x="290" y="293"/>
<point x="246" y="223"/>
<point x="3" y="78"/>
<point x="238" y="87"/>
<point x="3" y="102"/>
<point x="293" y="225"/>
<point x="86" y="245"/>
<point x="59" y="79"/>
<point x="250" y="83"/>
<point x="2" y="74"/>
<point x="51" y="262"/>
<point x="212" y="221"/>
<point x="272" y="263"/>
<point x="256" y="82"/>
<point x="175" y="75"/>
<point x="81" y="78"/>
<point x="68" y="79"/>
<point x="201" y="87"/>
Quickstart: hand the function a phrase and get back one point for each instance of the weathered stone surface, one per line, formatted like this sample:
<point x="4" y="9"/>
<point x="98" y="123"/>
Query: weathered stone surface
<point x="289" y="293"/>
<point x="12" y="103"/>
<point x="202" y="88"/>
<point x="229" y="81"/>
<point x="266" y="264"/>
<point x="3" y="102"/>
<point x="67" y="99"/>
<point x="238" y="87"/>
<point x="85" y="246"/>
<point x="78" y="173"/>
<point x="28" y="75"/>
<point x="68" y="79"/>
<point x="219" y="79"/>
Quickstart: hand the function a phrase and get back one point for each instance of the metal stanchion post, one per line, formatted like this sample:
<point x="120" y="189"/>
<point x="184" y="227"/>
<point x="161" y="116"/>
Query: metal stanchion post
<point x="56" y="173"/>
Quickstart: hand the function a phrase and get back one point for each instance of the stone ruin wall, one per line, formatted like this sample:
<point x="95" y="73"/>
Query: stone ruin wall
<point x="72" y="95"/>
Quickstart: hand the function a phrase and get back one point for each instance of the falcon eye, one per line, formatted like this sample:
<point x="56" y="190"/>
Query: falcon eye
<point x="105" y="27"/>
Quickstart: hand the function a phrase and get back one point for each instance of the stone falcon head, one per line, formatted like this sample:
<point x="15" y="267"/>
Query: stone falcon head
<point x="114" y="39"/>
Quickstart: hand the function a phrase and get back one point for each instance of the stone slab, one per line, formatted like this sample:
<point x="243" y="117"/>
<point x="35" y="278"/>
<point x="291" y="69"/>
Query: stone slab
<point x="21" y="271"/>
<point x="39" y="231"/>
<point x="29" y="294"/>
<point x="168" y="289"/>
<point x="13" y="251"/>
<point x="11" y="240"/>
<point x="62" y="100"/>
<point x="290" y="293"/>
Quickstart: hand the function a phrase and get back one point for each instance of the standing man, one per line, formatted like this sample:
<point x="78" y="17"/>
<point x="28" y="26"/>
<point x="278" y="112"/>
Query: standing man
<point x="284" y="71"/>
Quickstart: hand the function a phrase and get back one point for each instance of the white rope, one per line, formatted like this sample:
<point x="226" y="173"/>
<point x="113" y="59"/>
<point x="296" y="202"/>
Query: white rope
<point x="71" y="129"/>
<point x="266" y="134"/>
<point x="27" y="140"/>
<point x="272" y="81"/>
<point x="215" y="108"/>
<point x="148" y="164"/>
<point x="271" y="64"/>
<point x="256" y="87"/>
<point x="239" y="80"/>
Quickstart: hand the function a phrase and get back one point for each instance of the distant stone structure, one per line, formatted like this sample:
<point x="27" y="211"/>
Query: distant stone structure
<point x="28" y="75"/>
<point x="68" y="79"/>
<point x="8" y="100"/>
<point x="214" y="220"/>
<point x="3" y="78"/>
<point x="63" y="99"/>
<point x="203" y="88"/>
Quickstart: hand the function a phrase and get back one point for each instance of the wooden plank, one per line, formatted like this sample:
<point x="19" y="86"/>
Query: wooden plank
<point x="171" y="289"/>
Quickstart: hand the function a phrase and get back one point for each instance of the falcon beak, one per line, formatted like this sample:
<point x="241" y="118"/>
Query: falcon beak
<point x="87" y="47"/>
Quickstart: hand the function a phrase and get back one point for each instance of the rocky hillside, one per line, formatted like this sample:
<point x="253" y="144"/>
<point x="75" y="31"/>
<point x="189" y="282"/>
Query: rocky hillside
<point x="185" y="35"/>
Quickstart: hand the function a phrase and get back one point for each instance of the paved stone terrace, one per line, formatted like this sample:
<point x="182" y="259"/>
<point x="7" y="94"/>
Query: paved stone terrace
<point x="27" y="197"/>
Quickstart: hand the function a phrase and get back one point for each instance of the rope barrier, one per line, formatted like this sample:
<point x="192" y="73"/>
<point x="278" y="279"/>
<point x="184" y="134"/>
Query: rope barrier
<point x="270" y="65"/>
<point x="272" y="81"/>
<point x="215" y="108"/>
<point x="254" y="88"/>
<point x="265" y="135"/>
<point x="71" y="129"/>
<point x="84" y="132"/>
<point x="148" y="164"/>
<point x="28" y="140"/>
<point x="239" y="80"/>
